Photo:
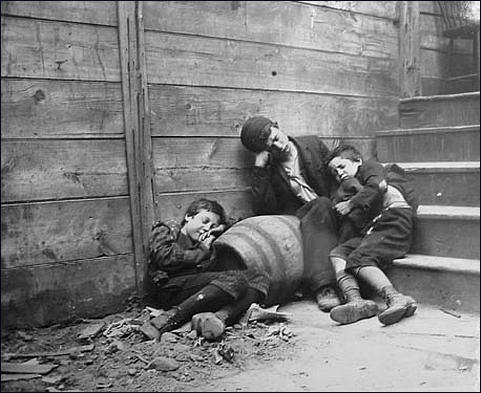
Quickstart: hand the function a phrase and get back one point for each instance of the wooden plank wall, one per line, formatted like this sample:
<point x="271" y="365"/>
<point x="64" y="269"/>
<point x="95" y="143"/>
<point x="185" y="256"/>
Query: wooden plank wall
<point x="66" y="225"/>
<point x="329" y="68"/>
<point x="434" y="51"/>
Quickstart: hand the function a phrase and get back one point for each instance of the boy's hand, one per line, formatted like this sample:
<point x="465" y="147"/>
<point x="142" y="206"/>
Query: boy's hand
<point x="206" y="239"/>
<point x="343" y="207"/>
<point x="216" y="231"/>
<point x="262" y="159"/>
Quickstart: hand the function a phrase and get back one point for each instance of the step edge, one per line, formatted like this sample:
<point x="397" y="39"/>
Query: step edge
<point x="438" y="166"/>
<point x="426" y="130"/>
<point x="434" y="263"/>
<point x="443" y="212"/>
<point x="438" y="97"/>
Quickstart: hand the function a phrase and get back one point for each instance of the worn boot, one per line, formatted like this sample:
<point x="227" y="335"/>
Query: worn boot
<point x="327" y="299"/>
<point x="209" y="325"/>
<point x="168" y="321"/>
<point x="398" y="306"/>
<point x="356" y="308"/>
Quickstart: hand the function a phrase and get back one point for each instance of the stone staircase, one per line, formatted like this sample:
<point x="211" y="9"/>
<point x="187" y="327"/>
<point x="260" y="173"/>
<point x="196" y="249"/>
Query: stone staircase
<point x="438" y="145"/>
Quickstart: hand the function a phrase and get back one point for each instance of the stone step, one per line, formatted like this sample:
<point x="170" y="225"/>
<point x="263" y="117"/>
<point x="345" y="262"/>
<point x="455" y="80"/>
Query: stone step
<point x="445" y="183"/>
<point x="451" y="283"/>
<point x="439" y="110"/>
<point x="456" y="143"/>
<point x="447" y="231"/>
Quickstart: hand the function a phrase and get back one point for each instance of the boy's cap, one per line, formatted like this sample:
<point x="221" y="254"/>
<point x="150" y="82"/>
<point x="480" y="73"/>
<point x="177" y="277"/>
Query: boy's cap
<point x="255" y="132"/>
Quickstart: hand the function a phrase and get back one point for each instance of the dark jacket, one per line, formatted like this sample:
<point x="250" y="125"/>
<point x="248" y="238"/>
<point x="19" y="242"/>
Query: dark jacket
<point x="172" y="253"/>
<point x="271" y="188"/>
<point x="371" y="175"/>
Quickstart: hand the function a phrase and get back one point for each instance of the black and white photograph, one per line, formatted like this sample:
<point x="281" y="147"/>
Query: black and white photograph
<point x="240" y="196"/>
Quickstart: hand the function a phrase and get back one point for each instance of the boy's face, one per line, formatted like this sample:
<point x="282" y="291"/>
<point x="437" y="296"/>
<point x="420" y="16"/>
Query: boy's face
<point x="277" y="144"/>
<point x="200" y="223"/>
<point x="343" y="168"/>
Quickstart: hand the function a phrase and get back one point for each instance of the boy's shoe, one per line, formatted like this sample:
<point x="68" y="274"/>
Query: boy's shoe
<point x="354" y="311"/>
<point x="150" y="331"/>
<point x="208" y="325"/>
<point x="399" y="306"/>
<point x="327" y="299"/>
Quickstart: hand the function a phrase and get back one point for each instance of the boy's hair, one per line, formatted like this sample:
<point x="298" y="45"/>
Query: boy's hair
<point x="344" y="151"/>
<point x="205" y="204"/>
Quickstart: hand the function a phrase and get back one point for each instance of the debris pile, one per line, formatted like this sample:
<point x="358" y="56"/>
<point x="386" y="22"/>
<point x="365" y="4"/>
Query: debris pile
<point x="117" y="353"/>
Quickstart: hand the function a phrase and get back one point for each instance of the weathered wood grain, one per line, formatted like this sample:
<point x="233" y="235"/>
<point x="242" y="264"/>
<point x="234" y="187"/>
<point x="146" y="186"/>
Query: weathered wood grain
<point x="200" y="61"/>
<point x="292" y="24"/>
<point x="204" y="152"/>
<point x="201" y="179"/>
<point x="59" y="50"/>
<point x="194" y="111"/>
<point x="53" y="293"/>
<point x="237" y="203"/>
<point x="409" y="42"/>
<point x="37" y="109"/>
<point x="97" y="12"/>
<point x="381" y="9"/>
<point x="59" y="169"/>
<point x="53" y="232"/>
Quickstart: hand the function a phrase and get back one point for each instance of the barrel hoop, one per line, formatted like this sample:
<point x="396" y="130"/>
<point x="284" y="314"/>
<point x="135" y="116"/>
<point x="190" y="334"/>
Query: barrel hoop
<point x="259" y="250"/>
<point x="272" y="244"/>
<point x="295" y="231"/>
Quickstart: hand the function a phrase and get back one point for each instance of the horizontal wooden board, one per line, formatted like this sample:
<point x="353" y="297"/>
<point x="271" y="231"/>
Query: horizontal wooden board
<point x="201" y="179"/>
<point x="98" y="12"/>
<point x="431" y="34"/>
<point x="237" y="203"/>
<point x="48" y="232"/>
<point x="290" y="23"/>
<point x="180" y="60"/>
<point x="382" y="9"/>
<point x="59" y="50"/>
<point x="203" y="152"/>
<point x="194" y="111"/>
<point x="58" y="169"/>
<point x="54" y="293"/>
<point x="39" y="108"/>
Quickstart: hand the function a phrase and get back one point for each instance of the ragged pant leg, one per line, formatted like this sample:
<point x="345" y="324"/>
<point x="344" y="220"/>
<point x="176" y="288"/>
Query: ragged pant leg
<point x="319" y="237"/>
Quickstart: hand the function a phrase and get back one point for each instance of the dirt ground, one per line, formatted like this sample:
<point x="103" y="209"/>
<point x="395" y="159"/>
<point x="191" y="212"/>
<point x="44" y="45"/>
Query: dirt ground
<point x="435" y="350"/>
<point x="123" y="359"/>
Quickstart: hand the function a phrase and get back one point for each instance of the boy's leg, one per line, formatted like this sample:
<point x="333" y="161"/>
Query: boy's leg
<point x="356" y="308"/>
<point x="319" y="237"/>
<point x="399" y="305"/>
<point x="390" y="238"/>
<point x="217" y="289"/>
<point x="211" y="325"/>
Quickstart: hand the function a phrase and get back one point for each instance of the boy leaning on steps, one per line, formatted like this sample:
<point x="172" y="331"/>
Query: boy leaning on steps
<point x="381" y="216"/>
<point x="185" y="277"/>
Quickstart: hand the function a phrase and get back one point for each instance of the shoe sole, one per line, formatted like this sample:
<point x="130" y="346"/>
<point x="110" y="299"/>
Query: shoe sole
<point x="211" y="328"/>
<point x="389" y="317"/>
<point x="352" y="312"/>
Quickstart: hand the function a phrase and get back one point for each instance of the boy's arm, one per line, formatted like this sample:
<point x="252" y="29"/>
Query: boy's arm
<point x="166" y="254"/>
<point x="264" y="196"/>
<point x="372" y="177"/>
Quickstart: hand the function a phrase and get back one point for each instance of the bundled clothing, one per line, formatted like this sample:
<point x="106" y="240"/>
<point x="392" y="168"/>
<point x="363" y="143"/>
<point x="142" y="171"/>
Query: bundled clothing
<point x="382" y="215"/>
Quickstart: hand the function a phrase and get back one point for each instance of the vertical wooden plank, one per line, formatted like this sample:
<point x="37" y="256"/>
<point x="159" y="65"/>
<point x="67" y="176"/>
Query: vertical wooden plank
<point x="137" y="133"/>
<point x="410" y="79"/>
<point x="145" y="137"/>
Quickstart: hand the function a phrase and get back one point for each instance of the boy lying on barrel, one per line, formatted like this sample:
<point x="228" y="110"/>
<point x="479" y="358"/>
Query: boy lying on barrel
<point x="186" y="278"/>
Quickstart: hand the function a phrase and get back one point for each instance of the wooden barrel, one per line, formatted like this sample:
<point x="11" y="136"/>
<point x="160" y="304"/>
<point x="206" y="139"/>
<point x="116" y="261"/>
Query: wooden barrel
<point x="268" y="243"/>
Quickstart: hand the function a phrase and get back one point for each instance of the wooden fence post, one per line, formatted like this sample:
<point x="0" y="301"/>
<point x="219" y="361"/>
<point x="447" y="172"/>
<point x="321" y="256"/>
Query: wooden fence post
<point x="409" y="56"/>
<point x="137" y="130"/>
